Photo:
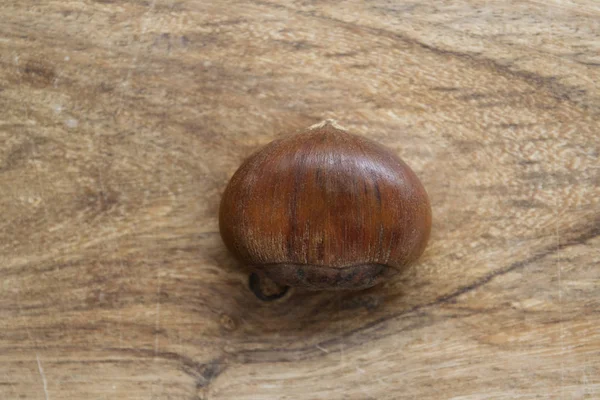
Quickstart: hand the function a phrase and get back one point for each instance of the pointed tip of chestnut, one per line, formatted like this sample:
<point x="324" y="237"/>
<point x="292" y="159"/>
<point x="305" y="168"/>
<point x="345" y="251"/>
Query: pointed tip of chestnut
<point x="327" y="122"/>
<point x="325" y="209"/>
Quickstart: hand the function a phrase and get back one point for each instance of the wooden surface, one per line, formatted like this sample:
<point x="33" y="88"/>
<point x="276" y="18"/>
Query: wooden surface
<point x="122" y="121"/>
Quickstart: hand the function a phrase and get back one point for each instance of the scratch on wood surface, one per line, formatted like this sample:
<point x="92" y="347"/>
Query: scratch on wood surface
<point x="134" y="61"/>
<point x="43" y="376"/>
<point x="324" y="350"/>
<point x="560" y="309"/>
<point x="157" y="320"/>
<point x="145" y="20"/>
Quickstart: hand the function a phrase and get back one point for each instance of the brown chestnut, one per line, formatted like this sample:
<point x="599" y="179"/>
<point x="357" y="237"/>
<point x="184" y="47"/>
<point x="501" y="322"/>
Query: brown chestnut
<point x="325" y="209"/>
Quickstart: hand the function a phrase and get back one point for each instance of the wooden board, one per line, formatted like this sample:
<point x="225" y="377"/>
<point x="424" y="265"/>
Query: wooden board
<point x="122" y="121"/>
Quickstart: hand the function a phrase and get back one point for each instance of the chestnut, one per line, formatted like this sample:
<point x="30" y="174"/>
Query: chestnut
<point x="325" y="209"/>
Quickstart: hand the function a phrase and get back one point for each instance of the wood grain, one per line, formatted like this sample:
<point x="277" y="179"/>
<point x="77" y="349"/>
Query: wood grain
<point x="122" y="122"/>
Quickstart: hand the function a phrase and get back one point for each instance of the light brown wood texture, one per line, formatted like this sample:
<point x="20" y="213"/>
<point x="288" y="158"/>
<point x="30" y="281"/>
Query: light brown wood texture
<point x="122" y="121"/>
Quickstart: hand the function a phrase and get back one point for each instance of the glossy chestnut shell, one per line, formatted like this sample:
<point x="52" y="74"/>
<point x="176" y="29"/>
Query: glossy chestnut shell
<point x="325" y="209"/>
